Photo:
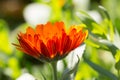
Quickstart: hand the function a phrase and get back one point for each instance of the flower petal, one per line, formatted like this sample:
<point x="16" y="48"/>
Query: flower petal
<point x="44" y="50"/>
<point x="52" y="48"/>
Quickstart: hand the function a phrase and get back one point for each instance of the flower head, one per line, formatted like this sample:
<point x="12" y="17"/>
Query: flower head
<point x="49" y="42"/>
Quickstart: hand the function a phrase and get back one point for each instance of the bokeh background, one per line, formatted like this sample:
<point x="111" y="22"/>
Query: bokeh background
<point x="103" y="26"/>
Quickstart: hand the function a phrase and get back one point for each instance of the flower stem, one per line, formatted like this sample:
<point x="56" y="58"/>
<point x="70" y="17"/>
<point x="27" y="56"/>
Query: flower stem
<point x="54" y="66"/>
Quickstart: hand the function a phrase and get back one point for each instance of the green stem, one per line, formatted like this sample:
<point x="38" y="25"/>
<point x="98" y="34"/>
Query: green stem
<point x="54" y="66"/>
<point x="118" y="74"/>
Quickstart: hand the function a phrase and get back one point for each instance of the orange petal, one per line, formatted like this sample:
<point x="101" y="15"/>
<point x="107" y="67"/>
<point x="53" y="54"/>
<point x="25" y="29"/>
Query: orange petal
<point x="28" y="47"/>
<point x="30" y="30"/>
<point x="44" y="50"/>
<point x="52" y="48"/>
<point x="39" y="29"/>
<point x="67" y="44"/>
<point x="60" y="26"/>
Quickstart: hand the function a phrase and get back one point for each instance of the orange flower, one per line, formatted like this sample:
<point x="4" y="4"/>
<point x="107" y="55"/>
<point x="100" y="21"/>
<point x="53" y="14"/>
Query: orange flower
<point x="50" y="41"/>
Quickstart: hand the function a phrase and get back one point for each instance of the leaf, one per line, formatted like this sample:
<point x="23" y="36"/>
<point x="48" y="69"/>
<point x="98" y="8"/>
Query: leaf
<point x="104" y="12"/>
<point x="97" y="29"/>
<point x="117" y="65"/>
<point x="117" y="24"/>
<point x="86" y="19"/>
<point x="104" y="29"/>
<point x="117" y="58"/>
<point x="100" y="69"/>
<point x="89" y="42"/>
<point x="111" y="47"/>
<point x="111" y="32"/>
<point x="43" y="76"/>
<point x="66" y="74"/>
<point x="83" y="14"/>
<point x="108" y="22"/>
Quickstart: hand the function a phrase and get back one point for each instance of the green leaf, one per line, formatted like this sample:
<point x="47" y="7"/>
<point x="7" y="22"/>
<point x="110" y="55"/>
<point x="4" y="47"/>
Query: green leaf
<point x="117" y="65"/>
<point x="83" y="13"/>
<point x="104" y="12"/>
<point x="108" y="22"/>
<point x="97" y="29"/>
<point x="117" y="58"/>
<point x="43" y="76"/>
<point x="89" y="42"/>
<point x="86" y="19"/>
<point x="117" y="24"/>
<point x="111" y="32"/>
<point x="111" y="47"/>
<point x="66" y="74"/>
<point x="104" y="29"/>
<point x="100" y="69"/>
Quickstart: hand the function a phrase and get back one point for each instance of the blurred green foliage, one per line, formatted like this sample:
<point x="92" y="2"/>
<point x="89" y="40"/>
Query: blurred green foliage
<point x="101" y="59"/>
